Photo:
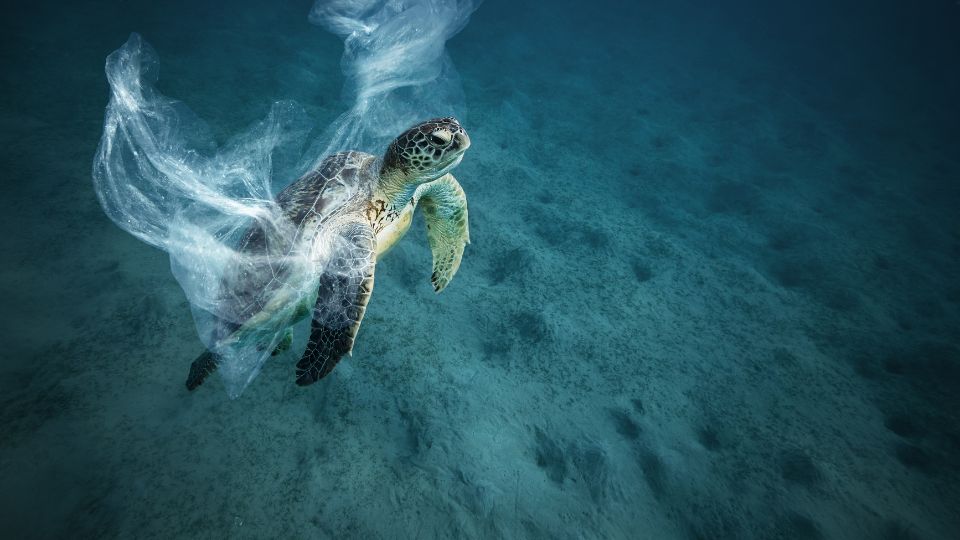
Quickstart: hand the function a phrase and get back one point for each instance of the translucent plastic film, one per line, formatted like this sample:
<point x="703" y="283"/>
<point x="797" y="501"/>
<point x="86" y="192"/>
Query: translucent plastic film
<point x="248" y="269"/>
<point x="396" y="67"/>
<point x="159" y="176"/>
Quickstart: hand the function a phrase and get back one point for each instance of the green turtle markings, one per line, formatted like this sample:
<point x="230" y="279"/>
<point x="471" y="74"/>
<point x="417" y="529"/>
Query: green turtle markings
<point x="414" y="170"/>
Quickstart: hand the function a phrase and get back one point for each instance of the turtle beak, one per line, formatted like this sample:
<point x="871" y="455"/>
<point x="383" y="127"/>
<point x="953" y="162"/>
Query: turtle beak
<point x="463" y="140"/>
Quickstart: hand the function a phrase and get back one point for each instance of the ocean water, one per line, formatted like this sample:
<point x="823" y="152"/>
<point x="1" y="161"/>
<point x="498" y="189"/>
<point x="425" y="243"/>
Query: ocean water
<point x="712" y="289"/>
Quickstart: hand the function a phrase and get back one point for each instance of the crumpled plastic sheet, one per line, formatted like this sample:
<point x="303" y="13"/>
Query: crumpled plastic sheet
<point x="160" y="176"/>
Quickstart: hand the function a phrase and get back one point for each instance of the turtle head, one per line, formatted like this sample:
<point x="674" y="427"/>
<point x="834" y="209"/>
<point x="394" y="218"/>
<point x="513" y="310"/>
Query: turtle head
<point x="427" y="151"/>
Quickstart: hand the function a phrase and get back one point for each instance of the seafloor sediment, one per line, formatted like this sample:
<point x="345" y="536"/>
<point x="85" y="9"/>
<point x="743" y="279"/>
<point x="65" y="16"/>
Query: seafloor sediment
<point x="711" y="291"/>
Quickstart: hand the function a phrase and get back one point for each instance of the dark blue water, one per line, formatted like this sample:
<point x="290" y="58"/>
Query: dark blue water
<point x="711" y="292"/>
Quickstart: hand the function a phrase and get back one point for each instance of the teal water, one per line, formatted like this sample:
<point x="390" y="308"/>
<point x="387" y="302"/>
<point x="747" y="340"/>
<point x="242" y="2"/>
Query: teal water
<point x="711" y="290"/>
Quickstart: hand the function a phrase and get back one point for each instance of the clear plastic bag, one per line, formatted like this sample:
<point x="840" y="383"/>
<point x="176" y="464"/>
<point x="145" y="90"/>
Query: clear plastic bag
<point x="241" y="261"/>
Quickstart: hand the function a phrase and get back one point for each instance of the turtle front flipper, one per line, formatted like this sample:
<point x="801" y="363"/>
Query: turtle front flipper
<point x="445" y="210"/>
<point x="342" y="297"/>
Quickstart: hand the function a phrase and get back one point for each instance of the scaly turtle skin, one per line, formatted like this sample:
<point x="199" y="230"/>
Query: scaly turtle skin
<point x="382" y="196"/>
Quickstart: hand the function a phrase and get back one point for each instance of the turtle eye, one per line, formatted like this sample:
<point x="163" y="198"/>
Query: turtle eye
<point x="440" y="137"/>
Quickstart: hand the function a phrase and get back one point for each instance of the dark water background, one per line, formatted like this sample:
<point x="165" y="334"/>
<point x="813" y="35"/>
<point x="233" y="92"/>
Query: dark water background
<point x="712" y="292"/>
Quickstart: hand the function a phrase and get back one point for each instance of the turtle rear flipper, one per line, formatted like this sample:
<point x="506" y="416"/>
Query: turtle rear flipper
<point x="207" y="363"/>
<point x="284" y="344"/>
<point x="201" y="368"/>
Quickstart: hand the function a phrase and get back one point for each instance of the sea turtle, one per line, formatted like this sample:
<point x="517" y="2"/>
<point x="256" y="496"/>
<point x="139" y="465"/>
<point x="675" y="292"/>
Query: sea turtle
<point x="382" y="194"/>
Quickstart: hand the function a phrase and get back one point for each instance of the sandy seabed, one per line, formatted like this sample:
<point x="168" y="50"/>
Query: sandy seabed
<point x="709" y="294"/>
